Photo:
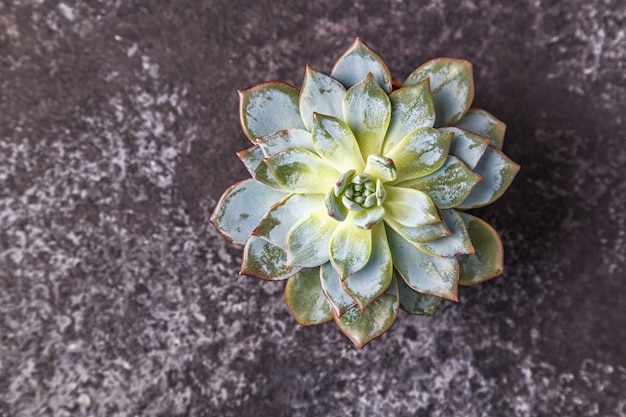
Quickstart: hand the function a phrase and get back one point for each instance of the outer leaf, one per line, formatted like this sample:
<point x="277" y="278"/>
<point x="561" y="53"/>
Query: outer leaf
<point x="498" y="172"/>
<point x="410" y="207"/>
<point x="262" y="259"/>
<point x="320" y="94"/>
<point x="417" y="303"/>
<point x="252" y="158"/>
<point x="452" y="86"/>
<point x="357" y="62"/>
<point x="350" y="248"/>
<point x="301" y="171"/>
<point x="485" y="124"/>
<point x="291" y="138"/>
<point x="488" y="260"/>
<point x="467" y="146"/>
<point x="421" y="152"/>
<point x="412" y="107"/>
<point x="340" y="301"/>
<point x="422" y="234"/>
<point x="370" y="282"/>
<point x="242" y="207"/>
<point x="305" y="299"/>
<point x="367" y="110"/>
<point x="333" y="140"/>
<point x="424" y="273"/>
<point x="449" y="185"/>
<point x="458" y="243"/>
<point x="362" y="328"/>
<point x="268" y="107"/>
<point x="309" y="238"/>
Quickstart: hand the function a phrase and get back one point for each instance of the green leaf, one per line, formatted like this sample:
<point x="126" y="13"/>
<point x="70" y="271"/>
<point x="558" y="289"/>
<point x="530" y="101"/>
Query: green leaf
<point x="421" y="152"/>
<point x="363" y="327"/>
<point x="357" y="62"/>
<point x="449" y="185"/>
<point x="242" y="207"/>
<point x="338" y="298"/>
<point x="422" y="234"/>
<point x="334" y="141"/>
<point x="367" y="111"/>
<point x="498" y="171"/>
<point x="452" y="87"/>
<point x="370" y="282"/>
<point x="252" y="158"/>
<point x="305" y="299"/>
<point x="267" y="108"/>
<point x="368" y="218"/>
<point x="457" y="243"/>
<point x="424" y="273"/>
<point x="467" y="146"/>
<point x="309" y="238"/>
<point x="412" y="107"/>
<point x="381" y="167"/>
<point x="262" y="259"/>
<point x="335" y="208"/>
<point x="485" y="124"/>
<point x="410" y="207"/>
<point x="291" y="138"/>
<point x="302" y="171"/>
<point x="417" y="303"/>
<point x="350" y="248"/>
<point x="320" y="94"/>
<point x="488" y="260"/>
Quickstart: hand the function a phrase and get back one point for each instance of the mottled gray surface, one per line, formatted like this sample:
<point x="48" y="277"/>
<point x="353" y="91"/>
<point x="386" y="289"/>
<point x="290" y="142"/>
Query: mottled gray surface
<point x="118" y="127"/>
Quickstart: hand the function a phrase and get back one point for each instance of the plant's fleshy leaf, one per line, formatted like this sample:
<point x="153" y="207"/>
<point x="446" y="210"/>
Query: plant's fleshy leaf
<point x="334" y="206"/>
<point x="367" y="111"/>
<point x="367" y="219"/>
<point x="357" y="62"/>
<point x="320" y="94"/>
<point x="452" y="87"/>
<point x="252" y="158"/>
<point x="484" y="124"/>
<point x="467" y="146"/>
<point x="334" y="141"/>
<point x="370" y="282"/>
<point x="242" y="207"/>
<point x="262" y="259"/>
<point x="302" y="171"/>
<point x="422" y="234"/>
<point x="381" y="167"/>
<point x="350" y="247"/>
<point x="412" y="107"/>
<point x="488" y="260"/>
<point x="414" y="302"/>
<point x="283" y="215"/>
<point x="449" y="185"/>
<point x="421" y="152"/>
<point x="363" y="327"/>
<point x="410" y="207"/>
<point x="340" y="301"/>
<point x="457" y="243"/>
<point x="498" y="172"/>
<point x="424" y="273"/>
<point x="305" y="299"/>
<point x="290" y="138"/>
<point x="309" y="238"/>
<point x="267" y="108"/>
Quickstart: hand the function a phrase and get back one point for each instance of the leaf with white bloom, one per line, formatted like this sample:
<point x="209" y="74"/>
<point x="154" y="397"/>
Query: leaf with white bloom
<point x="309" y="238"/>
<point x="252" y="158"/>
<point x="366" y="219"/>
<point x="320" y="94"/>
<point x="411" y="107"/>
<point x="350" y="247"/>
<point x="305" y="299"/>
<point x="485" y="124"/>
<point x="449" y="185"/>
<point x="421" y="234"/>
<point x="340" y="301"/>
<point x="452" y="87"/>
<point x="334" y="141"/>
<point x="357" y="62"/>
<point x="467" y="146"/>
<point x="262" y="259"/>
<point x="302" y="171"/>
<point x="381" y="167"/>
<point x="414" y="302"/>
<point x="267" y="108"/>
<point x="335" y="207"/>
<point x="410" y="207"/>
<point x="488" y="260"/>
<point x="421" y="152"/>
<point x="290" y="138"/>
<point x="363" y="327"/>
<point x="242" y="207"/>
<point x="457" y="243"/>
<point x="367" y="111"/>
<point x="424" y="273"/>
<point x="498" y="172"/>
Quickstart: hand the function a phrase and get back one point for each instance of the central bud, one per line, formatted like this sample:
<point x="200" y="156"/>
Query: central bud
<point x="361" y="192"/>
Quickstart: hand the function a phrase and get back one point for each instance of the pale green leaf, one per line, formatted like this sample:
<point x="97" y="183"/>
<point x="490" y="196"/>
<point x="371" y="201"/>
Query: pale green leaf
<point x="305" y="299"/>
<point x="484" y="124"/>
<point x="381" y="167"/>
<point x="457" y="243"/>
<point x="467" y="146"/>
<point x="252" y="158"/>
<point x="422" y="234"/>
<point x="335" y="207"/>
<point x="410" y="207"/>
<point x="308" y="240"/>
<point x="338" y="298"/>
<point x="320" y="94"/>
<point x="357" y="62"/>
<point x="488" y="260"/>
<point x="302" y="171"/>
<point x="368" y="218"/>
<point x="291" y="138"/>
<point x="262" y="259"/>
<point x="350" y="247"/>
<point x="414" y="302"/>
<point x="334" y="141"/>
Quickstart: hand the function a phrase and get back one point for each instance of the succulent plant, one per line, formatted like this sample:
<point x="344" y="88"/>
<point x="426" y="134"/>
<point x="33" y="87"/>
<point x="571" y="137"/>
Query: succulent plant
<point x="359" y="189"/>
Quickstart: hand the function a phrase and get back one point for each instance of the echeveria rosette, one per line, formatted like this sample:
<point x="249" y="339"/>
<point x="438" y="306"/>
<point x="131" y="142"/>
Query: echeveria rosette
<point x="359" y="189"/>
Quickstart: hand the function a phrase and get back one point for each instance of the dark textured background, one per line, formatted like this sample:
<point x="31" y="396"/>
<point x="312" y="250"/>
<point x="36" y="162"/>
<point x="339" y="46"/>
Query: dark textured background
<point x="118" y="127"/>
